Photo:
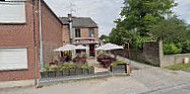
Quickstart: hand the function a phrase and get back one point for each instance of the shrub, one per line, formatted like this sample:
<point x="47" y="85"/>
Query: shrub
<point x="186" y="47"/>
<point x="66" y="66"/>
<point x="85" y="67"/>
<point x="171" y="48"/>
<point x="118" y="63"/>
<point x="50" y="68"/>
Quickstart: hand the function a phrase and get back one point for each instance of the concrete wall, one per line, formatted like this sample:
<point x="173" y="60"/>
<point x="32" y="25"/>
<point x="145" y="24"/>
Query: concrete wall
<point x="151" y="53"/>
<point x="168" y="60"/>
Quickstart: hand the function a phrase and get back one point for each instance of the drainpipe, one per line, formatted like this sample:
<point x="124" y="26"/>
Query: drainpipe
<point x="40" y="34"/>
<point x="35" y="47"/>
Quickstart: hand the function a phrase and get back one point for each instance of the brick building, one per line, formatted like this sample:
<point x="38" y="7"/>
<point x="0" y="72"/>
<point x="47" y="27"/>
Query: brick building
<point x="19" y="37"/>
<point x="84" y="32"/>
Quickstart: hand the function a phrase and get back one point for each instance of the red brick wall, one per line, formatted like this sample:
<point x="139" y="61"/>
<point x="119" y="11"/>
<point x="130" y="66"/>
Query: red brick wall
<point x="19" y="36"/>
<point x="85" y="33"/>
<point x="52" y="34"/>
<point x="65" y="35"/>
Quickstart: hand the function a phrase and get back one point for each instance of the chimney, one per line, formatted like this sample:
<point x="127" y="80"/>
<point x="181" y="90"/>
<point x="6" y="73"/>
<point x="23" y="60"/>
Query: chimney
<point x="70" y="17"/>
<point x="70" y="27"/>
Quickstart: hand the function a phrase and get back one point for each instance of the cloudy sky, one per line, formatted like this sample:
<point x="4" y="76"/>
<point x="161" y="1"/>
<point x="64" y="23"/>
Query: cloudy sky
<point x="104" y="12"/>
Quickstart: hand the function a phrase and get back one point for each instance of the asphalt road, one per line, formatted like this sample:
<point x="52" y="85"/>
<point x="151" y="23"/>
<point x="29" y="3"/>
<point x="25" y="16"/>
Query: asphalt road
<point x="183" y="88"/>
<point x="144" y="80"/>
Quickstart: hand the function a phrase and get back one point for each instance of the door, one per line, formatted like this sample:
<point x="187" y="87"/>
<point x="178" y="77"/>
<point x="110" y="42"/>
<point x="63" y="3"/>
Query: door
<point x="92" y="49"/>
<point x="13" y="59"/>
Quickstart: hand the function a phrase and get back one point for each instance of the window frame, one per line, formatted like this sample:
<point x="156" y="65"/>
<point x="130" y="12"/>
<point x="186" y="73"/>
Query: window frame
<point x="77" y="32"/>
<point x="91" y="32"/>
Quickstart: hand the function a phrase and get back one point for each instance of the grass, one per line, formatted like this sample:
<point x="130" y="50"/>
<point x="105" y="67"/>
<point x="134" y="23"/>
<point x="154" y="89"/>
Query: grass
<point x="179" y="67"/>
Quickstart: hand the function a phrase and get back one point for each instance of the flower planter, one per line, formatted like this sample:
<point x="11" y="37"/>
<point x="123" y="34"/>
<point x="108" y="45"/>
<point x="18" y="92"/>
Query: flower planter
<point x="72" y="72"/>
<point x="51" y="74"/>
<point x="91" y="70"/>
<point x="59" y="73"/>
<point x="44" y="74"/>
<point x="85" y="71"/>
<point x="79" y="71"/>
<point x="119" y="68"/>
<point x="66" y="72"/>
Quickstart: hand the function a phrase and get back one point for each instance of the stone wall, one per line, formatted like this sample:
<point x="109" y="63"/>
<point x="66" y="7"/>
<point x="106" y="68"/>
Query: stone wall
<point x="152" y="52"/>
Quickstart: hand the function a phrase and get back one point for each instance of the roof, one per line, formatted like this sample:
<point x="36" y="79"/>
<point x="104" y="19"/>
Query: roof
<point x="80" y="22"/>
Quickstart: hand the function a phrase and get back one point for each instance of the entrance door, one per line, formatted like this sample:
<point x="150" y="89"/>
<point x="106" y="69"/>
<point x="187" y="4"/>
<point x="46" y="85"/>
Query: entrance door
<point x="92" y="49"/>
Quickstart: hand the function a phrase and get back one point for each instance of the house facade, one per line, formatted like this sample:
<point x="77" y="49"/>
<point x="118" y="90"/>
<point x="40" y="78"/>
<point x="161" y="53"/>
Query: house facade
<point x="20" y="39"/>
<point x="84" y="32"/>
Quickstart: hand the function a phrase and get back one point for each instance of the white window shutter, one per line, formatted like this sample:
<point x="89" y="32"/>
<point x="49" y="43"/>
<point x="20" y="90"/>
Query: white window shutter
<point x="13" y="59"/>
<point x="12" y="12"/>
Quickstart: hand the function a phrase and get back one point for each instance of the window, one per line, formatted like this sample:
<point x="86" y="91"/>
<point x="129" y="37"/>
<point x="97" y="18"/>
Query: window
<point x="91" y="32"/>
<point x="77" y="33"/>
<point x="12" y="12"/>
<point x="13" y="59"/>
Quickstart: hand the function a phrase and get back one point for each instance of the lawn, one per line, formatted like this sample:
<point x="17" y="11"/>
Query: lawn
<point x="179" y="66"/>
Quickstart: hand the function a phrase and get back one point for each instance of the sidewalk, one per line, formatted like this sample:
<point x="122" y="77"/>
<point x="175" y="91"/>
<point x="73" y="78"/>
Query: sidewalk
<point x="15" y="84"/>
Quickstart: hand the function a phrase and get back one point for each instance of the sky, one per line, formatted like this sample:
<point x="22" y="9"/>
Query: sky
<point x="104" y="12"/>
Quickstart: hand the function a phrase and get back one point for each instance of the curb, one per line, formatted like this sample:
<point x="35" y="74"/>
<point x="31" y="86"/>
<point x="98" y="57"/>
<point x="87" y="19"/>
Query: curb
<point x="50" y="81"/>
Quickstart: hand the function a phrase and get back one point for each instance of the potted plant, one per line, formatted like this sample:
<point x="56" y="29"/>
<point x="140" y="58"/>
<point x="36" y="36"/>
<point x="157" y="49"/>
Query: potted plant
<point x="85" y="69"/>
<point x="79" y="70"/>
<point x="91" y="70"/>
<point x="44" y="73"/>
<point x="72" y="69"/>
<point x="52" y="71"/>
<point x="59" y="72"/>
<point x="65" y="69"/>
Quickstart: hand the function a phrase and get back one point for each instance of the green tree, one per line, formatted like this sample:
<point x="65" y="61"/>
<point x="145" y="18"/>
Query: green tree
<point x="120" y="36"/>
<point x="141" y="14"/>
<point x="172" y="30"/>
<point x="104" y="38"/>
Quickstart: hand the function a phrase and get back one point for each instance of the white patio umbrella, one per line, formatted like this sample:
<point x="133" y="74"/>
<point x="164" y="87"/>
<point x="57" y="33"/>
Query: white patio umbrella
<point x="67" y="47"/>
<point x="109" y="46"/>
<point x="81" y="47"/>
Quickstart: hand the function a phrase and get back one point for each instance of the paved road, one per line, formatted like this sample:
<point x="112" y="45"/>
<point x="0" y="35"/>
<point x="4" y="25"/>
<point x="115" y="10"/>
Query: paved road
<point x="178" y="89"/>
<point x="145" y="80"/>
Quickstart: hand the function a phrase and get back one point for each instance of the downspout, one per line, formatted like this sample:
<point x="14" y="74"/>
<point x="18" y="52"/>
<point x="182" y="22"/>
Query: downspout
<point x="35" y="46"/>
<point x="40" y="34"/>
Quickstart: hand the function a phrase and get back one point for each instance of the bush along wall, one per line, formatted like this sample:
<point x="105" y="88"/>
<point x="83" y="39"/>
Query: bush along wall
<point x="65" y="70"/>
<point x="118" y="67"/>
